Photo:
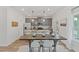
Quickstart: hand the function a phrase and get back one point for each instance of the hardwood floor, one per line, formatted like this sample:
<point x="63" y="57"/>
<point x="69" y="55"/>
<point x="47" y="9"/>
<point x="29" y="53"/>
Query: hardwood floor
<point x="14" y="46"/>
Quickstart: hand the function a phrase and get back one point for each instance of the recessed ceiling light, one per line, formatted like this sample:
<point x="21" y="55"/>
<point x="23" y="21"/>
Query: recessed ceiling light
<point x="48" y="9"/>
<point x="22" y="9"/>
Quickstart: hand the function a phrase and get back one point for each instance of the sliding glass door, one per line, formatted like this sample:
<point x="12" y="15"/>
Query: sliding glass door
<point x="76" y="23"/>
<point x="76" y="26"/>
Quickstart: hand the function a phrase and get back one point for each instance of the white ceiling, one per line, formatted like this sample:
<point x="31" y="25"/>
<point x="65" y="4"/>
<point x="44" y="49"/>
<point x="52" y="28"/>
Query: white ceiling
<point x="38" y="10"/>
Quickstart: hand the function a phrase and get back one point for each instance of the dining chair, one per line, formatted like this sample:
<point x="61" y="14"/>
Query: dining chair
<point x="48" y="45"/>
<point x="35" y="46"/>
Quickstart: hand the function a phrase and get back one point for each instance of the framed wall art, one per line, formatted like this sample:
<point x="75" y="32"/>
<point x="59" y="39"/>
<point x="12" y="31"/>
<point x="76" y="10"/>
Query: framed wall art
<point x="14" y="24"/>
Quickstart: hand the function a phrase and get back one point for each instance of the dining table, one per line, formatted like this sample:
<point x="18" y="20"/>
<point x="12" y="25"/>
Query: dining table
<point x="30" y="38"/>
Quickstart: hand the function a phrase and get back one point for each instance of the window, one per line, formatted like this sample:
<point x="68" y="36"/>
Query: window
<point x="76" y="26"/>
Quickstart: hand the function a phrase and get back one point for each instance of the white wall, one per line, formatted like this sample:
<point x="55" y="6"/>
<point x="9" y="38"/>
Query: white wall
<point x="66" y="32"/>
<point x="8" y="34"/>
<point x="13" y="33"/>
<point x="2" y="26"/>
